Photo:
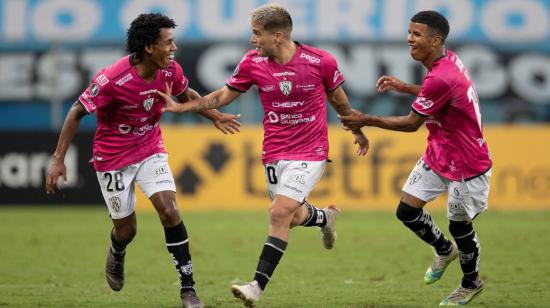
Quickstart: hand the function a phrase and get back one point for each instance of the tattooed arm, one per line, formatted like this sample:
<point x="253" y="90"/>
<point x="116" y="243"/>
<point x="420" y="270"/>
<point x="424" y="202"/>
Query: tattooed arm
<point x="214" y="100"/>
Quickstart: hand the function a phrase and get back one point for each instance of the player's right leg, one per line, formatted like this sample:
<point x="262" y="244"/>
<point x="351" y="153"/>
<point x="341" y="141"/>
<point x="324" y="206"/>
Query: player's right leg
<point x="117" y="188"/>
<point x="123" y="232"/>
<point x="296" y="179"/>
<point x="424" y="185"/>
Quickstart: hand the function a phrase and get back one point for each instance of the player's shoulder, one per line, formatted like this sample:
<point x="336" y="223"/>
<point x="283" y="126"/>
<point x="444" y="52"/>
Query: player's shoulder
<point x="253" y="57"/>
<point x="313" y="55"/>
<point x="114" y="72"/>
<point x="173" y="69"/>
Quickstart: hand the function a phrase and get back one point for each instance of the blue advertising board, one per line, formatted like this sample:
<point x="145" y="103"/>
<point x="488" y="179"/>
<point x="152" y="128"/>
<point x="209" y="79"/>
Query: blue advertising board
<point x="507" y="24"/>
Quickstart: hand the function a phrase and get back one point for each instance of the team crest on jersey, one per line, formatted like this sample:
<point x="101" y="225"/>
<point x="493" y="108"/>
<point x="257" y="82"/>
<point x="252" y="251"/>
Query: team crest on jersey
<point x="148" y="103"/>
<point x="115" y="203"/>
<point x="286" y="87"/>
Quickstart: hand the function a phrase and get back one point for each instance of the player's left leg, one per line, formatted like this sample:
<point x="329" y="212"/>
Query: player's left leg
<point x="289" y="183"/>
<point x="157" y="182"/>
<point x="281" y="212"/>
<point x="310" y="216"/>
<point x="467" y="199"/>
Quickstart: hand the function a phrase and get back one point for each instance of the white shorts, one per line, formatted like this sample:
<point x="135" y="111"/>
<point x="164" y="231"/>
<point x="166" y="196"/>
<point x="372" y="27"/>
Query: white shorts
<point x="466" y="198"/>
<point x="292" y="178"/>
<point x="118" y="186"/>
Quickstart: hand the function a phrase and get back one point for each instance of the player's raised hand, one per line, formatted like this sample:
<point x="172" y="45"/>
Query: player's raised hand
<point x="354" y="121"/>
<point x="389" y="83"/>
<point x="56" y="169"/>
<point x="171" y="104"/>
<point x="228" y="123"/>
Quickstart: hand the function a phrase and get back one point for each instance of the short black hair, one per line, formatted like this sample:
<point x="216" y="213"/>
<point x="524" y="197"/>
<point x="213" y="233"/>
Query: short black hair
<point x="145" y="31"/>
<point x="434" y="20"/>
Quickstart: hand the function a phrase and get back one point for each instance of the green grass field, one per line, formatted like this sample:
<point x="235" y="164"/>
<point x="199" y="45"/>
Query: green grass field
<point x="54" y="257"/>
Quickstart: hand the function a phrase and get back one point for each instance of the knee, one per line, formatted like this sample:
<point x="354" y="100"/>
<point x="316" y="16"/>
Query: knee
<point x="460" y="228"/>
<point x="125" y="232"/>
<point x="169" y="215"/>
<point x="406" y="212"/>
<point x="279" y="216"/>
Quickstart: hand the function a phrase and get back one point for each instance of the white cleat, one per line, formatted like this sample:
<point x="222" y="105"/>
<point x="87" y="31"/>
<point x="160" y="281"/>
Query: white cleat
<point x="249" y="293"/>
<point x="328" y="231"/>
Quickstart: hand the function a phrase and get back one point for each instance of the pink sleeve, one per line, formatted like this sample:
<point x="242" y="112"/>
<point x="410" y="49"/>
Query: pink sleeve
<point x="97" y="94"/>
<point x="332" y="77"/>
<point x="241" y="79"/>
<point x="178" y="79"/>
<point x="434" y="94"/>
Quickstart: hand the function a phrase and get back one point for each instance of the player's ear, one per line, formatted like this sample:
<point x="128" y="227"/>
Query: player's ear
<point x="437" y="41"/>
<point x="148" y="49"/>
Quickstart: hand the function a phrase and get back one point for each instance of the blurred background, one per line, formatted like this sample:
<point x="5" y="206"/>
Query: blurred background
<point x="50" y="49"/>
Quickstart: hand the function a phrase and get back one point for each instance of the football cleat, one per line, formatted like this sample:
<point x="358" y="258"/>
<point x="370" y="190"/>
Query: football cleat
<point x="462" y="295"/>
<point x="114" y="270"/>
<point x="328" y="231"/>
<point x="436" y="270"/>
<point x="249" y="293"/>
<point x="190" y="299"/>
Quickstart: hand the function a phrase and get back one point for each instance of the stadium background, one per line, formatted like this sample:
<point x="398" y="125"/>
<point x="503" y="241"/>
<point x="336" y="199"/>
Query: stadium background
<point x="49" y="50"/>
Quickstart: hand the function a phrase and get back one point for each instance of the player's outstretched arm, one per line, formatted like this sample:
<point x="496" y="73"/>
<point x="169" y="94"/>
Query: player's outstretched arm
<point x="391" y="83"/>
<point x="339" y="101"/>
<point x="225" y="122"/>
<point x="214" y="100"/>
<point x="357" y="119"/>
<point x="57" y="166"/>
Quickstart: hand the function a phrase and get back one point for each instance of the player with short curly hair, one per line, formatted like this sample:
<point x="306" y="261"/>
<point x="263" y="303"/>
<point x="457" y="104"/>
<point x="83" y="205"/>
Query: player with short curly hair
<point x="128" y="148"/>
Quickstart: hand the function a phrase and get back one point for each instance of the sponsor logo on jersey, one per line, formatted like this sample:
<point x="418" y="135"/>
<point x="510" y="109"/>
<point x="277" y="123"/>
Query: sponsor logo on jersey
<point x="259" y="59"/>
<point x="287" y="104"/>
<point x="148" y="92"/>
<point x="306" y="87"/>
<point x="282" y="74"/>
<point x="415" y="177"/>
<point x="286" y="87"/>
<point x="310" y="58"/>
<point x="102" y="80"/>
<point x="124" y="79"/>
<point x="161" y="170"/>
<point x="167" y="73"/>
<point x="425" y="103"/>
<point x="268" y="88"/>
<point x="94" y="90"/>
<point x="148" y="103"/>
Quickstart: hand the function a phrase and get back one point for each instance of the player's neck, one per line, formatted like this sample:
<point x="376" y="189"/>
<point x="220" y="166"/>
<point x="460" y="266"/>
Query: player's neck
<point x="286" y="52"/>
<point x="436" y="55"/>
<point x="146" y="72"/>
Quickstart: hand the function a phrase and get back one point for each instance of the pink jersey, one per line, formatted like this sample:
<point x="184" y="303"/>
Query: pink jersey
<point x="456" y="147"/>
<point x="128" y="113"/>
<point x="294" y="101"/>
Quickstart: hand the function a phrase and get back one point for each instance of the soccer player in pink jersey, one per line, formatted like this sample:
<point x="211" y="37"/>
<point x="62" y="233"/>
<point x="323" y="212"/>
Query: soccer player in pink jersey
<point x="294" y="81"/>
<point x="456" y="160"/>
<point x="128" y="146"/>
